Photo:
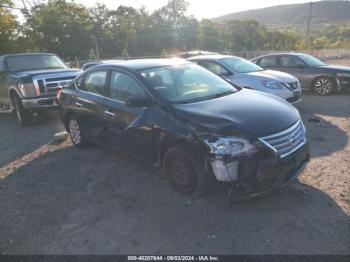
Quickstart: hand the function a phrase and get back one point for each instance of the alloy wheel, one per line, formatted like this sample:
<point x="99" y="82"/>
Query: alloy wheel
<point x="323" y="86"/>
<point x="74" y="131"/>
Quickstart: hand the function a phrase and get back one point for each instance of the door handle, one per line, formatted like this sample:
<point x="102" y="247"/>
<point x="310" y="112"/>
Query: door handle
<point x="109" y="113"/>
<point x="78" y="104"/>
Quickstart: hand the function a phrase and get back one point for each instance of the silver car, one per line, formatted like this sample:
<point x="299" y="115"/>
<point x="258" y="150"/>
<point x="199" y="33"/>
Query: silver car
<point x="244" y="73"/>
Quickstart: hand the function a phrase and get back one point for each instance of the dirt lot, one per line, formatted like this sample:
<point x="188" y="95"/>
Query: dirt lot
<point x="344" y="61"/>
<point x="56" y="199"/>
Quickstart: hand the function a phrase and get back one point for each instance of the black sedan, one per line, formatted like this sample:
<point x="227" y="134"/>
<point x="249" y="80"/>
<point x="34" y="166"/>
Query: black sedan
<point x="312" y="73"/>
<point x="189" y="121"/>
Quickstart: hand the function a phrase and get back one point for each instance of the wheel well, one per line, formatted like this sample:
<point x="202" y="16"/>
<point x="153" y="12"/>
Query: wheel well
<point x="318" y="77"/>
<point x="12" y="95"/>
<point x="66" y="118"/>
<point x="168" y="143"/>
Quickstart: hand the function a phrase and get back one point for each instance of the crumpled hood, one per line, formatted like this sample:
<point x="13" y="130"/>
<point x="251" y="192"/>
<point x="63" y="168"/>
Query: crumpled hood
<point x="272" y="75"/>
<point x="248" y="113"/>
<point x="45" y="72"/>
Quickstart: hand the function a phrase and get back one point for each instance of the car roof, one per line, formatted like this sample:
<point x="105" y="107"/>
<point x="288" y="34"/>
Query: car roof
<point x="23" y="54"/>
<point x="281" y="53"/>
<point x="139" y="64"/>
<point x="211" y="57"/>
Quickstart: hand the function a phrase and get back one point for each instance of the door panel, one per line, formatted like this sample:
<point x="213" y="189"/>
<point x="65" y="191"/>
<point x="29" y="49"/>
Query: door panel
<point x="89" y="108"/>
<point x="89" y="103"/>
<point x="294" y="66"/>
<point x="114" y="125"/>
<point x="126" y="128"/>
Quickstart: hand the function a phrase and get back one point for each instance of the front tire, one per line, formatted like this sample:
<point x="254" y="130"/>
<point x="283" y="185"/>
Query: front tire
<point x="324" y="86"/>
<point x="186" y="171"/>
<point x="23" y="115"/>
<point x="76" y="134"/>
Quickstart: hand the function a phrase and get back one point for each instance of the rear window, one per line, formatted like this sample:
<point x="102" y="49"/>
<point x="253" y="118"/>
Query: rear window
<point x="268" y="61"/>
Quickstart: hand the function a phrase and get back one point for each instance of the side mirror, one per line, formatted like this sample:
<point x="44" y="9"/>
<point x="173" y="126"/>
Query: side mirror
<point x="300" y="66"/>
<point x="138" y="101"/>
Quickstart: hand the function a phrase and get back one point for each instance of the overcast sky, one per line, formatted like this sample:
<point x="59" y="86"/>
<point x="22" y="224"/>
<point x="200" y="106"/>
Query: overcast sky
<point x="198" y="8"/>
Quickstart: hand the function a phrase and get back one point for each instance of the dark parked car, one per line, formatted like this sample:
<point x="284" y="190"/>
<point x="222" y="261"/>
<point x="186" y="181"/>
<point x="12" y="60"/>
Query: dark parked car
<point x="189" y="121"/>
<point x="95" y="63"/>
<point x="29" y="82"/>
<point x="312" y="73"/>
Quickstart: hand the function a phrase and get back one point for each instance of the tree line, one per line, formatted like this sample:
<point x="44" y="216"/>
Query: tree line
<point x="74" y="31"/>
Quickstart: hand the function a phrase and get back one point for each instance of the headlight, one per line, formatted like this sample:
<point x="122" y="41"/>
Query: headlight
<point x="273" y="85"/>
<point x="230" y="146"/>
<point x="343" y="74"/>
<point x="28" y="90"/>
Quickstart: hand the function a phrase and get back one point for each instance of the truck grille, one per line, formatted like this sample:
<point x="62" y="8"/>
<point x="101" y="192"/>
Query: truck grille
<point x="292" y="86"/>
<point x="287" y="141"/>
<point x="50" y="84"/>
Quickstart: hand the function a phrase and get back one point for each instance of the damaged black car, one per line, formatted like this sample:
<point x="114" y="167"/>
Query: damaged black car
<point x="190" y="122"/>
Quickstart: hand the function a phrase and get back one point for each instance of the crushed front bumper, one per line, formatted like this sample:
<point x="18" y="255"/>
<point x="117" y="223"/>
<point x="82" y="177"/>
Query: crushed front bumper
<point x="40" y="103"/>
<point x="259" y="173"/>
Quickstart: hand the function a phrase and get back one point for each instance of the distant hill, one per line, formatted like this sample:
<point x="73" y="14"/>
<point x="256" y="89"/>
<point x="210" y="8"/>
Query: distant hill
<point x="295" y="15"/>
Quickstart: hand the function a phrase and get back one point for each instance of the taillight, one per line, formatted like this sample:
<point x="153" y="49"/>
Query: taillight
<point x="58" y="94"/>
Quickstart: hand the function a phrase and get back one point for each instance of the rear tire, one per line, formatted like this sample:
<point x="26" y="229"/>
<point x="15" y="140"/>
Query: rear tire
<point x="23" y="115"/>
<point x="76" y="134"/>
<point x="324" y="86"/>
<point x="186" y="171"/>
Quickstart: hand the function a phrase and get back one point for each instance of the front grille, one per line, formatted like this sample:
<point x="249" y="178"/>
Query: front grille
<point x="41" y="86"/>
<point x="292" y="86"/>
<point x="50" y="84"/>
<point x="287" y="141"/>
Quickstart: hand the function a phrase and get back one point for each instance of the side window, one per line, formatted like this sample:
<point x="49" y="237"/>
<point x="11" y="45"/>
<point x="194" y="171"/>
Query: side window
<point x="290" y="61"/>
<point x="213" y="67"/>
<point x="123" y="86"/>
<point x="94" y="82"/>
<point x="269" y="61"/>
<point x="79" y="82"/>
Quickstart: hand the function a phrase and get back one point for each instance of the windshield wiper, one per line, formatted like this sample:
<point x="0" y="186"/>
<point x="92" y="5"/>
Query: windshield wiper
<point x="198" y="99"/>
<point x="53" y="67"/>
<point x="224" y="94"/>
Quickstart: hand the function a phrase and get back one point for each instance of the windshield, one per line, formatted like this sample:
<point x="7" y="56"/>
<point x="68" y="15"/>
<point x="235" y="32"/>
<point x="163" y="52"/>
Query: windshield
<point x="241" y="65"/>
<point x="311" y="60"/>
<point x="187" y="83"/>
<point x="33" y="62"/>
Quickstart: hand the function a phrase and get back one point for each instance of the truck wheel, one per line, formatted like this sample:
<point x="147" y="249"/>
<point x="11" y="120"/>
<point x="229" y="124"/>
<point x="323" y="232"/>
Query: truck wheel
<point x="186" y="171"/>
<point x="23" y="115"/>
<point x="76" y="134"/>
<point x="324" y="86"/>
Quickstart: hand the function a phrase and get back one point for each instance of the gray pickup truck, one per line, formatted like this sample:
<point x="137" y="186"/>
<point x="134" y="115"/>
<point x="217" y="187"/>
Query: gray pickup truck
<point x="29" y="82"/>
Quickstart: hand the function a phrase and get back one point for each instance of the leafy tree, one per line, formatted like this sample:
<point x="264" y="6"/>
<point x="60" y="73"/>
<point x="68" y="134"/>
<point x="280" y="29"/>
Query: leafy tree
<point x="73" y="31"/>
<point x="174" y="28"/>
<point x="61" y="27"/>
<point x="244" y="34"/>
<point x="209" y="36"/>
<point x="8" y="27"/>
<point x="283" y="40"/>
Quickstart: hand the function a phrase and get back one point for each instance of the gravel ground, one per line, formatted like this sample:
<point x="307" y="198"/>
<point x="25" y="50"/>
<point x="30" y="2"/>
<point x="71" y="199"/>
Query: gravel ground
<point x="56" y="199"/>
